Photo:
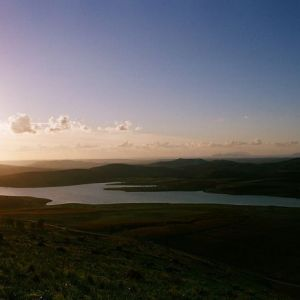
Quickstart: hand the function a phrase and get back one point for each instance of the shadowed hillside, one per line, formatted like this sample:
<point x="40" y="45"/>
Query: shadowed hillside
<point x="9" y="169"/>
<point x="280" y="178"/>
<point x="56" y="253"/>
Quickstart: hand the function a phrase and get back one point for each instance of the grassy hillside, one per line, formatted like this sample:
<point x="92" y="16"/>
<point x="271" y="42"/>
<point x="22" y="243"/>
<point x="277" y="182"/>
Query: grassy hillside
<point x="9" y="203"/>
<point x="259" y="241"/>
<point x="51" y="262"/>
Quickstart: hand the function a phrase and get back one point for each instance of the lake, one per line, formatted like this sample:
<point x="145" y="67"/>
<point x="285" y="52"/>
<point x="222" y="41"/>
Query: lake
<point x="96" y="194"/>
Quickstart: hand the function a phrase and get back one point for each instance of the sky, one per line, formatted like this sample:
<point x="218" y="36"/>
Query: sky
<point x="145" y="79"/>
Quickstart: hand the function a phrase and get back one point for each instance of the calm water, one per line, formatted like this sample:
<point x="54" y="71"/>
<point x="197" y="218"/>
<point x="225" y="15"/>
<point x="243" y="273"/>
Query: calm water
<point x="96" y="194"/>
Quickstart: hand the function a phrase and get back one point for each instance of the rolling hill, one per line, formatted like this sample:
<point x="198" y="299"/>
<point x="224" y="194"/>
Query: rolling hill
<point x="280" y="178"/>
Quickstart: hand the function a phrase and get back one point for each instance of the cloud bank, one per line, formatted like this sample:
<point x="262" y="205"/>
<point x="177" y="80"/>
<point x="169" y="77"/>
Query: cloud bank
<point x="63" y="136"/>
<point x="21" y="124"/>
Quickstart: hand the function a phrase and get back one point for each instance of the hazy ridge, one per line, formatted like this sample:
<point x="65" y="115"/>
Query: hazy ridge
<point x="279" y="178"/>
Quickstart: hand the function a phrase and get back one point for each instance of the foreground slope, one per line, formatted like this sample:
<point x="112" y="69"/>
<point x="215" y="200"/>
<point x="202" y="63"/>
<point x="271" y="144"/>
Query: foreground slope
<point x="214" y="251"/>
<point x="50" y="262"/>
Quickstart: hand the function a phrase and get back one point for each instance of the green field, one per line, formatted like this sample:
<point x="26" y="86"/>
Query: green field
<point x="149" y="251"/>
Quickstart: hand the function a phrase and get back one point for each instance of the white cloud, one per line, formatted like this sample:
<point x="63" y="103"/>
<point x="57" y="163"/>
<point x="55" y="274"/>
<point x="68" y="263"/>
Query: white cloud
<point x="21" y="123"/>
<point x="63" y="123"/>
<point x="59" y="124"/>
<point x="257" y="142"/>
<point x="83" y="127"/>
<point x="124" y="126"/>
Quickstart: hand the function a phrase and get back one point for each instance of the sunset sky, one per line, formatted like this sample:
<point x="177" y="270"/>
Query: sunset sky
<point x="145" y="79"/>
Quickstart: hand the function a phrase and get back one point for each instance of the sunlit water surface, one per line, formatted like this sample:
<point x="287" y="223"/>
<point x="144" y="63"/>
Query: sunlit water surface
<point x="96" y="194"/>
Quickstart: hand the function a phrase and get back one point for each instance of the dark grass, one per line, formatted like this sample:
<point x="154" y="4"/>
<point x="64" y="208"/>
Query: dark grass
<point x="260" y="241"/>
<point x="45" y="263"/>
<point x="12" y="203"/>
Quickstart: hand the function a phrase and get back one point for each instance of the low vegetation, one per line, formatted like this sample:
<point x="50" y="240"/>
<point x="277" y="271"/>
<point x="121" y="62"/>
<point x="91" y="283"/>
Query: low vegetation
<point x="148" y="251"/>
<point x="50" y="263"/>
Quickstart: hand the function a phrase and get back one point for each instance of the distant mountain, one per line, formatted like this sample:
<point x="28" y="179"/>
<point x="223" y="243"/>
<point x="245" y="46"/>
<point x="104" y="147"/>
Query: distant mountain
<point x="181" y="163"/>
<point x="280" y="178"/>
<point x="112" y="172"/>
<point x="9" y="170"/>
<point x="233" y="155"/>
<point x="80" y="164"/>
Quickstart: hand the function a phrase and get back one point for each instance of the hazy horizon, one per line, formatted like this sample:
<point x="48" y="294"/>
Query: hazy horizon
<point x="150" y="159"/>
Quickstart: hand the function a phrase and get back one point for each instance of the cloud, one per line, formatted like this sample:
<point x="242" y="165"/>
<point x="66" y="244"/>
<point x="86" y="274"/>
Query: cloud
<point x="138" y="128"/>
<point x="59" y="124"/>
<point x="83" y="127"/>
<point x="63" y="123"/>
<point x="164" y="145"/>
<point x="257" y="142"/>
<point x="287" y="144"/>
<point x="86" y="146"/>
<point x="228" y="144"/>
<point x="21" y="123"/>
<point x="235" y="143"/>
<point x="126" y="145"/>
<point x="123" y="126"/>
<point x="155" y="145"/>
